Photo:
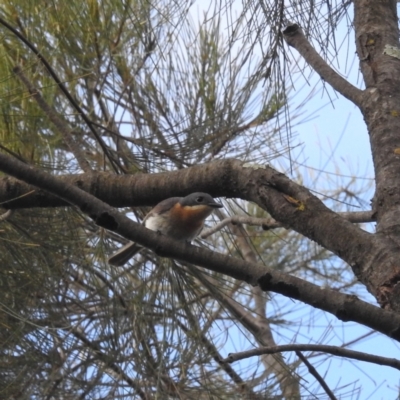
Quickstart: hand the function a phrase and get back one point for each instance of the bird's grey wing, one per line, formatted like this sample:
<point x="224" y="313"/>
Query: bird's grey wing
<point x="161" y="208"/>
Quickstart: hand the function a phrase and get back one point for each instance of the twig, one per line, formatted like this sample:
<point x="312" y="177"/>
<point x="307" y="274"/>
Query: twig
<point x="54" y="118"/>
<point x="266" y="223"/>
<point x="334" y="350"/>
<point x="316" y="375"/>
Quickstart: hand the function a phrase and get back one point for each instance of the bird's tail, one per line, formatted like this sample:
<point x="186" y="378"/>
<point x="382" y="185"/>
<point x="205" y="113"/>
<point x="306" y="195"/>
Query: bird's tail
<point x="124" y="254"/>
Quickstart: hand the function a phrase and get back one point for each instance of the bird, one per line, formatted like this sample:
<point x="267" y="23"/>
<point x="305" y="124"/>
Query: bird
<point x="181" y="218"/>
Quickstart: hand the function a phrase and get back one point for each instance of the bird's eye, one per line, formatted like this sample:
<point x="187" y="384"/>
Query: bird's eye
<point x="200" y="199"/>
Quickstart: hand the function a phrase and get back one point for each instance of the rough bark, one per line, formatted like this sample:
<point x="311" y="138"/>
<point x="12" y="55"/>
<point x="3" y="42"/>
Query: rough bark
<point x="376" y="25"/>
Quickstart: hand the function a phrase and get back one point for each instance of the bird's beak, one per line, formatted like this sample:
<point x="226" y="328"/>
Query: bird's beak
<point x="215" y="205"/>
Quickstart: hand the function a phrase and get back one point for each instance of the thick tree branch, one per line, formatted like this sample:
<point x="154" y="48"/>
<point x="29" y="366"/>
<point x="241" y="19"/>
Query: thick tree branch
<point x="287" y="202"/>
<point x="294" y="37"/>
<point x="345" y="307"/>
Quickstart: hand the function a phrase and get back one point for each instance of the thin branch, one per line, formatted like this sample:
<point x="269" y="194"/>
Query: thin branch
<point x="358" y="217"/>
<point x="334" y="350"/>
<point x="294" y="37"/>
<point x="266" y="223"/>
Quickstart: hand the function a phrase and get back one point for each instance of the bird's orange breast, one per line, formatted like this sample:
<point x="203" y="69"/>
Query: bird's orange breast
<point x="190" y="215"/>
<point x="188" y="221"/>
